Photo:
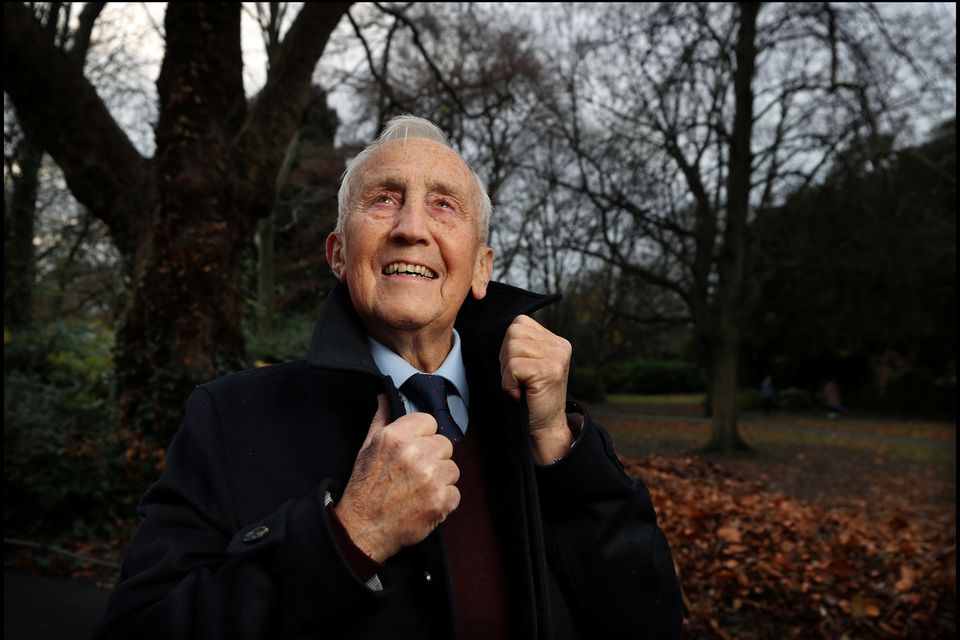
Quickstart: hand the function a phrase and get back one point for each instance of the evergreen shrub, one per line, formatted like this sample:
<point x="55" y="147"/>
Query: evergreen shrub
<point x="584" y="384"/>
<point x="62" y="455"/>
<point x="793" y="399"/>
<point x="916" y="392"/>
<point x="654" y="377"/>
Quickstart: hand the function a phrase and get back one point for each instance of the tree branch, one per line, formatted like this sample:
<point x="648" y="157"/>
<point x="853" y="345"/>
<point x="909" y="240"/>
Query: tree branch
<point x="427" y="58"/>
<point x="81" y="37"/>
<point x="276" y="113"/>
<point x="63" y="111"/>
<point x="379" y="77"/>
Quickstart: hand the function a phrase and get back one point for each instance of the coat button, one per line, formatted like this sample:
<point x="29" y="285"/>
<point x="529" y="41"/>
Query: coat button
<point x="255" y="534"/>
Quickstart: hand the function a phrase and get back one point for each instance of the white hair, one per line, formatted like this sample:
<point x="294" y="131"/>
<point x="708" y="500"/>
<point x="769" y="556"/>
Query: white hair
<point x="403" y="128"/>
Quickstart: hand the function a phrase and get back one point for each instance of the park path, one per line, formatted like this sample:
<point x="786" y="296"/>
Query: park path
<point x="41" y="608"/>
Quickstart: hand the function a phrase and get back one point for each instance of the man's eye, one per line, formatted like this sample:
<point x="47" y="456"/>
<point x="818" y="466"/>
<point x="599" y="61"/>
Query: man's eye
<point x="384" y="199"/>
<point x="446" y="204"/>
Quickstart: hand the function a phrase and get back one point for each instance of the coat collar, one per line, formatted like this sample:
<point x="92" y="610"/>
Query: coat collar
<point x="339" y="341"/>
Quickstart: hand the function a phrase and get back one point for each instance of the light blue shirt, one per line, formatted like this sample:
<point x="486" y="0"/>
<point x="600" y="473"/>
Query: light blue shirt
<point x="452" y="369"/>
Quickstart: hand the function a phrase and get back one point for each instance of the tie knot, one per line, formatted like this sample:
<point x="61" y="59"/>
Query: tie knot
<point x="429" y="393"/>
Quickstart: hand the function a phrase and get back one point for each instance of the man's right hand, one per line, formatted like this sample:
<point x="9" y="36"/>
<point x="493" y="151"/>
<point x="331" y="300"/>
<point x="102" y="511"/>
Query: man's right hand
<point x="402" y="484"/>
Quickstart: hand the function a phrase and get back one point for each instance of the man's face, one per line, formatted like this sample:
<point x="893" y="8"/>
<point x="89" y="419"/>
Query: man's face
<point x="410" y="250"/>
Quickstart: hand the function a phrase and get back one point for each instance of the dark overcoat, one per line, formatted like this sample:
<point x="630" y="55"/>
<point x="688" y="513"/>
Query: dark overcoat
<point x="235" y="541"/>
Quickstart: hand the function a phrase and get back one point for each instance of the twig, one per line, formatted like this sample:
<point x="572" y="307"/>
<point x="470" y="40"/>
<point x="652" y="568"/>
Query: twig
<point x="48" y="547"/>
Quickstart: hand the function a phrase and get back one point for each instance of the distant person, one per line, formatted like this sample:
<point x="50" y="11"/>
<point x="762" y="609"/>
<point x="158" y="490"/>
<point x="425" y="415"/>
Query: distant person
<point x="831" y="396"/>
<point x="767" y="391"/>
<point x="421" y="475"/>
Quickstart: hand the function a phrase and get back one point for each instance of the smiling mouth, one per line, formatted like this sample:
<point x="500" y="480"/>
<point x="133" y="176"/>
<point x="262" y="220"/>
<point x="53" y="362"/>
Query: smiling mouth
<point x="403" y="268"/>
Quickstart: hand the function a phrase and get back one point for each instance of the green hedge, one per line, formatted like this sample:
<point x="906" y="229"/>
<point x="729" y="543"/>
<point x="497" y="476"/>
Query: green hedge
<point x="789" y="399"/>
<point x="290" y="339"/>
<point x="793" y="399"/>
<point x="915" y="392"/>
<point x="584" y="384"/>
<point x="62" y="455"/>
<point x="654" y="376"/>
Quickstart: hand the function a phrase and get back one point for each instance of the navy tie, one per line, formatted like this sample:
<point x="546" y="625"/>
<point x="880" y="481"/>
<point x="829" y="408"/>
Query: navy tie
<point x="430" y="394"/>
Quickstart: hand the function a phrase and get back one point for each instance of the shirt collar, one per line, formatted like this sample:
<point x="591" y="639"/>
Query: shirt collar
<point x="339" y="342"/>
<point x="452" y="369"/>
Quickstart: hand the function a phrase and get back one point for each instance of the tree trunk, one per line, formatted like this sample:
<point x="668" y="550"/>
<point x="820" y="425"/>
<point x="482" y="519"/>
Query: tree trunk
<point x="725" y="435"/>
<point x="266" y="241"/>
<point x="18" y="225"/>
<point x="708" y="395"/>
<point x="266" y="275"/>
<point x="182" y="324"/>
<point x="63" y="277"/>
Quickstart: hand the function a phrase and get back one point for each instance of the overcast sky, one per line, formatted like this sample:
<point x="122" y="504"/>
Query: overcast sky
<point x="143" y="24"/>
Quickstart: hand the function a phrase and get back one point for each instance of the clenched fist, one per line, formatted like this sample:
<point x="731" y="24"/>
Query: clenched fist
<point x="402" y="484"/>
<point x="536" y="362"/>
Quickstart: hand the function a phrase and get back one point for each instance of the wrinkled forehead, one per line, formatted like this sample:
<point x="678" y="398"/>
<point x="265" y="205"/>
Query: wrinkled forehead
<point x="418" y="161"/>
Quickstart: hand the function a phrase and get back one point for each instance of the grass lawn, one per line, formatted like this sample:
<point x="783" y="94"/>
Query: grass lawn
<point x="676" y="399"/>
<point x="831" y="461"/>
<point x="675" y="423"/>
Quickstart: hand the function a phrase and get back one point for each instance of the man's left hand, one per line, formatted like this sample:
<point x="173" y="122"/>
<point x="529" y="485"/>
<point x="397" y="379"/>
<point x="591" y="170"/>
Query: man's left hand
<point x="536" y="361"/>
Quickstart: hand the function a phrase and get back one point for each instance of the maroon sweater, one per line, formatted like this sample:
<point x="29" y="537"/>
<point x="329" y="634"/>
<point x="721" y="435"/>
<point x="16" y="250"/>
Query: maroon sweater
<point x="476" y="561"/>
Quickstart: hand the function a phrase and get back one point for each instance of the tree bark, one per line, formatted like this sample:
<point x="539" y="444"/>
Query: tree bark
<point x="266" y="275"/>
<point x="266" y="254"/>
<point x="18" y="225"/>
<point x="725" y="434"/>
<point x="182" y="323"/>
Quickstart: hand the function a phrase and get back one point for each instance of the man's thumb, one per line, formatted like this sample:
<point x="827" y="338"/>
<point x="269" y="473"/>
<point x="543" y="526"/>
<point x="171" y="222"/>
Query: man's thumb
<point x="382" y="417"/>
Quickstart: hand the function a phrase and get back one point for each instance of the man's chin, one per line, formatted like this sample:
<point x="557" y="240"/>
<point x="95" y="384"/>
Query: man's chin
<point x="404" y="318"/>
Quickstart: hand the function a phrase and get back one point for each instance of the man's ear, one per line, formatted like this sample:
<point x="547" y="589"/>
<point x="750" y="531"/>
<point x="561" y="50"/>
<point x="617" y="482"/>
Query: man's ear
<point x="335" y="256"/>
<point x="482" y="273"/>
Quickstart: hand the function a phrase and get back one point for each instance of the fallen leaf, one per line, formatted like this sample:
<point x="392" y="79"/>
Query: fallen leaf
<point x="729" y="534"/>
<point x="905" y="583"/>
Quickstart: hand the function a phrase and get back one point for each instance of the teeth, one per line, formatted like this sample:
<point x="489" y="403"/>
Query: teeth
<point x="403" y="267"/>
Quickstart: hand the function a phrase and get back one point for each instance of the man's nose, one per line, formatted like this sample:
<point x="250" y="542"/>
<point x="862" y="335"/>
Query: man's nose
<point x="411" y="223"/>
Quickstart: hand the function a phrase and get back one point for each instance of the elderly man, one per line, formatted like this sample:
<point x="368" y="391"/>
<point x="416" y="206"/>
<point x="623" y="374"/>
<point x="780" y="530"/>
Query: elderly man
<point x="422" y="475"/>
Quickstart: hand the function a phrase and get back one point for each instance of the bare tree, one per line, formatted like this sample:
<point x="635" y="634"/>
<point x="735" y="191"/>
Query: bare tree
<point x="691" y="119"/>
<point x="182" y="218"/>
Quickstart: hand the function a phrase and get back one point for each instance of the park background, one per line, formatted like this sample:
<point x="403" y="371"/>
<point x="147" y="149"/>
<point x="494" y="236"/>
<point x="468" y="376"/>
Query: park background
<point x="721" y="192"/>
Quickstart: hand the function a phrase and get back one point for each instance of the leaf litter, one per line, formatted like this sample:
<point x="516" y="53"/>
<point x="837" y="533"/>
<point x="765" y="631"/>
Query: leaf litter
<point x="757" y="563"/>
